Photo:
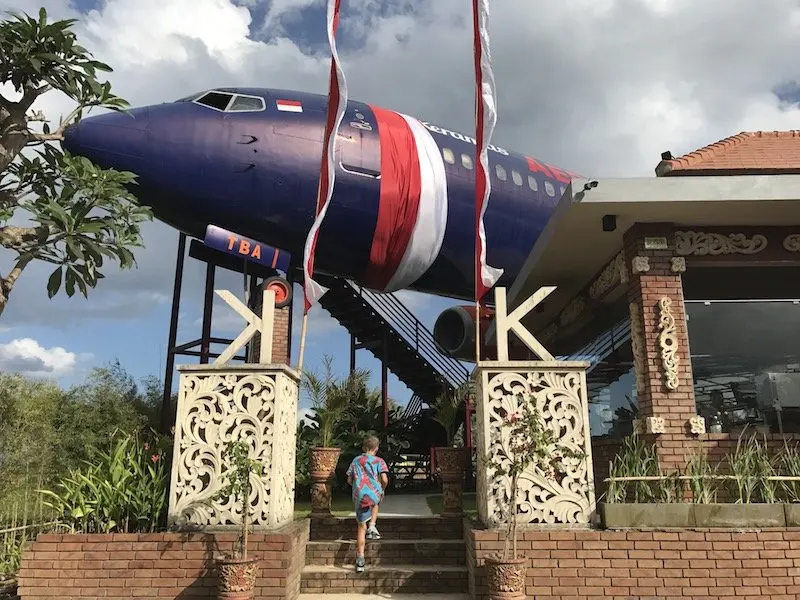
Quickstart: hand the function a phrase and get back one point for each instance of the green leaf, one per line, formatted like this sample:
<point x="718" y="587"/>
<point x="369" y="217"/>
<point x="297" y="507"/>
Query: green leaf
<point x="54" y="283"/>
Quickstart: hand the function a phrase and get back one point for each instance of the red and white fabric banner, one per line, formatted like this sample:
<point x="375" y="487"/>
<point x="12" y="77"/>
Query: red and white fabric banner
<point x="485" y="119"/>
<point x="337" y="103"/>
<point x="412" y="211"/>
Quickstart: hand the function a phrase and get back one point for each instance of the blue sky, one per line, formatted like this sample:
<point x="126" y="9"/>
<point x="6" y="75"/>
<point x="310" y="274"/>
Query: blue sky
<point x="603" y="99"/>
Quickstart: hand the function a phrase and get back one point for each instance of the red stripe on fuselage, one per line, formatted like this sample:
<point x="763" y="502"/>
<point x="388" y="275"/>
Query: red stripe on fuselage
<point x="399" y="197"/>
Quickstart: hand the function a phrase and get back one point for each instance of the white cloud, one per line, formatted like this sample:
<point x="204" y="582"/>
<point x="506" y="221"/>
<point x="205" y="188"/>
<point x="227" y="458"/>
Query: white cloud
<point x="27" y="356"/>
<point x="597" y="87"/>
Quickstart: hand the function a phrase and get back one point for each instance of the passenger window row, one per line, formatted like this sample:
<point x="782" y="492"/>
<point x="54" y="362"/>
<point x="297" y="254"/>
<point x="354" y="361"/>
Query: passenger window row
<point x="501" y="173"/>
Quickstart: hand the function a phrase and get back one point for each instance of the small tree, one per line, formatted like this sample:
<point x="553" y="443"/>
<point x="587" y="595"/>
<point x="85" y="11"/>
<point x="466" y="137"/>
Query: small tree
<point x="445" y="413"/>
<point x="530" y="443"/>
<point x="239" y="486"/>
<point x="78" y="213"/>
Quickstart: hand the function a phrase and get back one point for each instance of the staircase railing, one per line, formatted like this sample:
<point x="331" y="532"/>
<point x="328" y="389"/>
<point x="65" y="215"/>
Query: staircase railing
<point x="599" y="348"/>
<point x="415" y="334"/>
<point x="413" y="407"/>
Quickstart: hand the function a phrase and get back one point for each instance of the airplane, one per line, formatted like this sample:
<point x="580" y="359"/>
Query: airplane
<point x="248" y="160"/>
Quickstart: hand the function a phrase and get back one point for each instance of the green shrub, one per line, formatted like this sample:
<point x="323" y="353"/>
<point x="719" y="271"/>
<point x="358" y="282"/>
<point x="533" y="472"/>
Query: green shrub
<point x="122" y="489"/>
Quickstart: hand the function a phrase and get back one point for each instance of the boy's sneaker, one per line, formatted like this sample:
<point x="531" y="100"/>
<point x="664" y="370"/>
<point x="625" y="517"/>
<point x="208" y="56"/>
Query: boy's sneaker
<point x="372" y="533"/>
<point x="359" y="564"/>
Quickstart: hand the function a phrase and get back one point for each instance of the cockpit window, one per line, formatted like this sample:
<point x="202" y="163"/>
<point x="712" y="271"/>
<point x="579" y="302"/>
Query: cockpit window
<point x="215" y="100"/>
<point x="246" y="104"/>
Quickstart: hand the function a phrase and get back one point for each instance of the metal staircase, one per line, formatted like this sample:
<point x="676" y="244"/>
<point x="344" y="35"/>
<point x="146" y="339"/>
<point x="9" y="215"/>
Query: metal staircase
<point x="605" y="363"/>
<point x="382" y="324"/>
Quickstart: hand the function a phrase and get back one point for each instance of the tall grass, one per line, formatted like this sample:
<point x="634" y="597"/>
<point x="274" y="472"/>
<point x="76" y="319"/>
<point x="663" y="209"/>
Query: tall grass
<point x="635" y="459"/>
<point x="702" y="483"/>
<point x="789" y="465"/>
<point x="751" y="465"/>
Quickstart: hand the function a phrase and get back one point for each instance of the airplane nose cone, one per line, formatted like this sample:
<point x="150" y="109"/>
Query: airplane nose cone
<point x="112" y="140"/>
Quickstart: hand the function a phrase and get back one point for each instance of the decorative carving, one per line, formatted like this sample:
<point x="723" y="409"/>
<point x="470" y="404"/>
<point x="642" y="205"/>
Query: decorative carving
<point x="572" y="311"/>
<point x="668" y="342"/>
<point x="560" y="397"/>
<point x="640" y="264"/>
<point x="322" y="469"/>
<point x="217" y="404"/>
<point x="638" y="426"/>
<point x="451" y="461"/>
<point x="506" y="579"/>
<point x="792" y="243"/>
<point x="655" y="425"/>
<point x="698" y="243"/>
<point x="678" y="264"/>
<point x="637" y="347"/>
<point x="697" y="425"/>
<point x="452" y="498"/>
<point x="609" y="277"/>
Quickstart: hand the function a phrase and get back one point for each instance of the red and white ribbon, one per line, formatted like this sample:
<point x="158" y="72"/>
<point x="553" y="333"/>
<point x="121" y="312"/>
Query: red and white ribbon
<point x="485" y="119"/>
<point x="337" y="103"/>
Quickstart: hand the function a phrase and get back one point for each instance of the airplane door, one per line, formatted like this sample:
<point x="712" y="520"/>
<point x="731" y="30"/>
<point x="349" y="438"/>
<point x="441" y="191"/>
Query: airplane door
<point x="353" y="132"/>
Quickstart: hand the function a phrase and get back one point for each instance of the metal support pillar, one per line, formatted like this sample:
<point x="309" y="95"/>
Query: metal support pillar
<point x="385" y="381"/>
<point x="208" y="305"/>
<point x="166" y="403"/>
<point x="352" y="353"/>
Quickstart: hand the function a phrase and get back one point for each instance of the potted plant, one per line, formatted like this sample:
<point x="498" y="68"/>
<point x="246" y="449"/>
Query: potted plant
<point x="528" y="443"/>
<point x="329" y="400"/>
<point x="450" y="459"/>
<point x="236" y="572"/>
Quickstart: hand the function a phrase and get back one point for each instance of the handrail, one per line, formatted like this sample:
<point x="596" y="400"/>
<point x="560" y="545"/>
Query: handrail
<point x="415" y="334"/>
<point x="604" y="344"/>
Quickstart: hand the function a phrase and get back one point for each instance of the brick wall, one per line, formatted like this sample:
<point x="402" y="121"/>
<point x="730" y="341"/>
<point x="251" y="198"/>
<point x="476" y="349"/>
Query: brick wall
<point x="157" y="565"/>
<point x="653" y="564"/>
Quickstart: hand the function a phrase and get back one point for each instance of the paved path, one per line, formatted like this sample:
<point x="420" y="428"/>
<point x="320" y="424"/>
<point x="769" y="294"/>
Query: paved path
<point x="405" y="505"/>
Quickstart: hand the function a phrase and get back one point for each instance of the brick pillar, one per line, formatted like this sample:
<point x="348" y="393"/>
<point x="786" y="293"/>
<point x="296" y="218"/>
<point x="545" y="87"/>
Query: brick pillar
<point x="664" y="383"/>
<point x="281" y="333"/>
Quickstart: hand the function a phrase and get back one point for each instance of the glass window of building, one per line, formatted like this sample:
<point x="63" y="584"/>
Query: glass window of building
<point x="746" y="364"/>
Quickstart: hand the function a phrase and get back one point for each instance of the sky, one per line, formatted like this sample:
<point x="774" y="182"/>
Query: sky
<point x="599" y="87"/>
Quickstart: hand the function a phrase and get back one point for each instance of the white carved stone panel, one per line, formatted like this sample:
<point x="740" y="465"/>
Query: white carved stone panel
<point x="220" y="403"/>
<point x="559" y="390"/>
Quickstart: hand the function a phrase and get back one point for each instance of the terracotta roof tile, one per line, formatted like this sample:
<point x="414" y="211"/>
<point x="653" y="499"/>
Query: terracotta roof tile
<point x="748" y="152"/>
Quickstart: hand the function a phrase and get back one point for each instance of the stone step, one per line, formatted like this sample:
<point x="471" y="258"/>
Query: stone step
<point x="384" y="579"/>
<point x="398" y="528"/>
<point x="388" y="551"/>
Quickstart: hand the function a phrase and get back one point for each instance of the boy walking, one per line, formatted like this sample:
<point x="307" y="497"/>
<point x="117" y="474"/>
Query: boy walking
<point x="369" y="476"/>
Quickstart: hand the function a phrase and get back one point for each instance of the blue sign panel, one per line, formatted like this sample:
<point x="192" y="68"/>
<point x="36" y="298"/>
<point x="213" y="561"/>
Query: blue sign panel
<point x="246" y="248"/>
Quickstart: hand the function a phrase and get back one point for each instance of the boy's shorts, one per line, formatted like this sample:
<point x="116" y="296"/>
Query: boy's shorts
<point x="363" y="513"/>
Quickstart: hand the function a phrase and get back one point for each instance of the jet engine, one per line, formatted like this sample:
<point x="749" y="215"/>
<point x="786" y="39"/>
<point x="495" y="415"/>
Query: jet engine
<point x="454" y="334"/>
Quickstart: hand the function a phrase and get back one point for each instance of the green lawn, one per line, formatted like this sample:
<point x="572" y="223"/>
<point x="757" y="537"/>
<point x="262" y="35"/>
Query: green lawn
<point x="470" y="509"/>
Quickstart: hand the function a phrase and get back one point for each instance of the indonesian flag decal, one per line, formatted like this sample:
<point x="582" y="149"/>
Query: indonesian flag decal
<point x="337" y="103"/>
<point x="412" y="209"/>
<point x="485" y="119"/>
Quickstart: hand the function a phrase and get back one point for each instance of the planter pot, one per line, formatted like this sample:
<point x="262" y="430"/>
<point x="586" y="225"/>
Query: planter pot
<point x="740" y="515"/>
<point x="451" y="463"/>
<point x="322" y="463"/>
<point x="506" y="578"/>
<point x="792" y="515"/>
<point x="634" y="516"/>
<point x="322" y="468"/>
<point x="236" y="578"/>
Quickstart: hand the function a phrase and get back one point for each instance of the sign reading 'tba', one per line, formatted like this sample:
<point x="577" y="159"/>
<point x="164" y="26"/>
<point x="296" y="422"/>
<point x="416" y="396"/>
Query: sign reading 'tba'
<point x="247" y="248"/>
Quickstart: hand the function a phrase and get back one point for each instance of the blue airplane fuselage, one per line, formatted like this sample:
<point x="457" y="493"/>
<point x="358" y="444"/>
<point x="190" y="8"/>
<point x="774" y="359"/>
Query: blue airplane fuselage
<point x="256" y="172"/>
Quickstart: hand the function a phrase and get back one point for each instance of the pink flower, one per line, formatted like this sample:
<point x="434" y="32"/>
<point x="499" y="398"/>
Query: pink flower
<point x="155" y="457"/>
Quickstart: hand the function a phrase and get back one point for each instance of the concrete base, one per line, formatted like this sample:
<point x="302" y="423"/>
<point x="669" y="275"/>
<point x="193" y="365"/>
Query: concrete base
<point x="632" y="516"/>
<point x="740" y="515"/>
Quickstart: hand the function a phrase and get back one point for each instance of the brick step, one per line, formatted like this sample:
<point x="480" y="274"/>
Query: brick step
<point x="379" y="579"/>
<point x="388" y="551"/>
<point x="383" y="597"/>
<point x="398" y="528"/>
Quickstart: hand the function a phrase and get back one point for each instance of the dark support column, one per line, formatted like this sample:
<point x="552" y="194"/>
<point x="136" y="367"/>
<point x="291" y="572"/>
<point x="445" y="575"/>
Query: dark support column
<point x="208" y="303"/>
<point x="352" y="353"/>
<point x="166" y="399"/>
<point x="385" y="381"/>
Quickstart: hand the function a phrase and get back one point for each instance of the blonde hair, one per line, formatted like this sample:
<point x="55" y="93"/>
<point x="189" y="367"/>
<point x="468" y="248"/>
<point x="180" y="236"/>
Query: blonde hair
<point x="371" y="443"/>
